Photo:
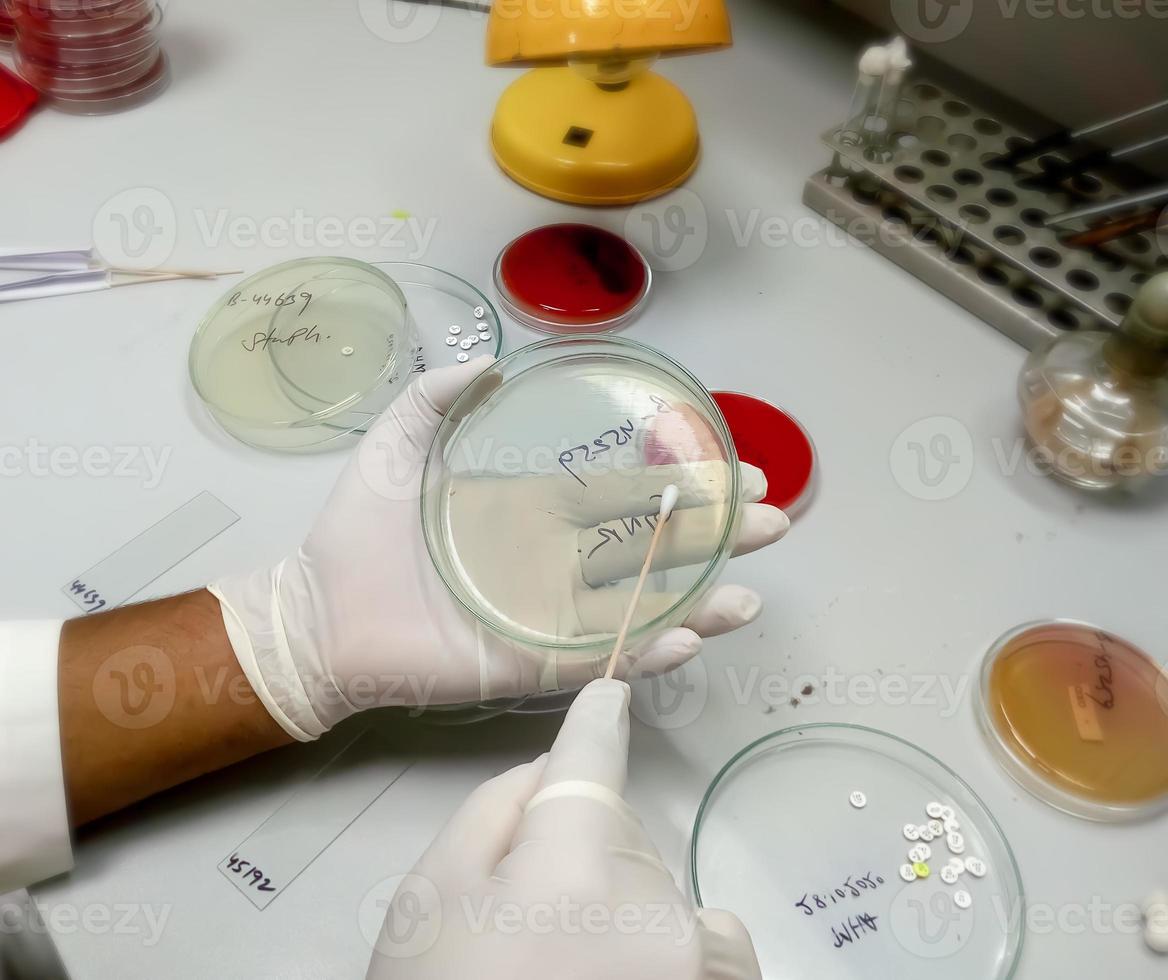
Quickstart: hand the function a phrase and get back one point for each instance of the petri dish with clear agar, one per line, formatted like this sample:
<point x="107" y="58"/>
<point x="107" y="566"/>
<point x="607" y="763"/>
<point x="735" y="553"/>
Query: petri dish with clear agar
<point x="304" y="354"/>
<point x="541" y="488"/>
<point x="775" y="442"/>
<point x="806" y="835"/>
<point x="1079" y="717"/>
<point x="572" y="278"/>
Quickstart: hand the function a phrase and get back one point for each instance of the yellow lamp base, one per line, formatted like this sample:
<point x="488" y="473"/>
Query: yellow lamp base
<point x="562" y="136"/>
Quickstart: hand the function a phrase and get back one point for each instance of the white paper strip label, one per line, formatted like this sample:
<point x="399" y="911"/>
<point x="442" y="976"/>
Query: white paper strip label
<point x="158" y="549"/>
<point x="316" y="815"/>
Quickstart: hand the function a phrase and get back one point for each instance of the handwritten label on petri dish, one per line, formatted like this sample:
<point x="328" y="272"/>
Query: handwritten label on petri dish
<point x="855" y="926"/>
<point x="267" y="299"/>
<point x="1085" y="713"/>
<point x="853" y="887"/>
<point x="624" y="529"/>
<point x="262" y="341"/>
<point x="588" y="453"/>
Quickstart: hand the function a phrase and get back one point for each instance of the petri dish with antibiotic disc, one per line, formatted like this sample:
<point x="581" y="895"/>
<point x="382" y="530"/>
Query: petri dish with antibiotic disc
<point x="1079" y="717"/>
<point x="572" y="278"/>
<point x="540" y="494"/>
<point x="776" y="443"/>
<point x="806" y="836"/>
<point x="304" y="355"/>
<point x="454" y="322"/>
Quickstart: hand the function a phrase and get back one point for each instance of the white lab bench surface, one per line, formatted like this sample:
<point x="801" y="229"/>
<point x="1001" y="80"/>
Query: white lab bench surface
<point x="301" y="108"/>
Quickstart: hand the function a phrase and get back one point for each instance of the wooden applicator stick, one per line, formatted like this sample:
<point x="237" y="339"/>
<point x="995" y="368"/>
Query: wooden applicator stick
<point x="668" y="501"/>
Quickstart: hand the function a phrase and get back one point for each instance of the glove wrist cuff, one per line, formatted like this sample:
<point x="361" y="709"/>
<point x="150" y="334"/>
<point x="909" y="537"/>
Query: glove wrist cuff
<point x="251" y="615"/>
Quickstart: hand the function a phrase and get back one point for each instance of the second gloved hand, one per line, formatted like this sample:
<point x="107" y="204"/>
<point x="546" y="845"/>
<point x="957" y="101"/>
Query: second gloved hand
<point x="545" y="871"/>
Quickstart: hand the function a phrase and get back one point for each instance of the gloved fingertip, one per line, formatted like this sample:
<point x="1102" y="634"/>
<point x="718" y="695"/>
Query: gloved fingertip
<point x="748" y="606"/>
<point x="775" y="522"/>
<point x="609" y="689"/>
<point x="754" y="482"/>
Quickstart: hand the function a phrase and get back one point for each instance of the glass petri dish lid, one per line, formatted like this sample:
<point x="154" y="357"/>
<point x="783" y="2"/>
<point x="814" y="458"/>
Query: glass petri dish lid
<point x="805" y="834"/>
<point x="571" y="279"/>
<point x="450" y="316"/>
<point x="303" y="354"/>
<point x="542" y="484"/>
<point x="1078" y="717"/>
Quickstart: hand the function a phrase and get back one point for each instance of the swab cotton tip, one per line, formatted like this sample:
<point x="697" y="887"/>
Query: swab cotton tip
<point x="874" y="61"/>
<point x="668" y="501"/>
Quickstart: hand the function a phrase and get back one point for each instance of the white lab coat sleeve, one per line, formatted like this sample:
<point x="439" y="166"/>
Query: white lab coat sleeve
<point x="34" y="824"/>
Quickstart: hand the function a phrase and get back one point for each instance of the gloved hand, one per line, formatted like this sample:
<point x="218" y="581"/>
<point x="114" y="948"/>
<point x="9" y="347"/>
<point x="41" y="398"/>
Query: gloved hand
<point x="546" y="872"/>
<point x="358" y="617"/>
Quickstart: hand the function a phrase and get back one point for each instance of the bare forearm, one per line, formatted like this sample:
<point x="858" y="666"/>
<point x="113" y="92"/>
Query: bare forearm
<point x="151" y="696"/>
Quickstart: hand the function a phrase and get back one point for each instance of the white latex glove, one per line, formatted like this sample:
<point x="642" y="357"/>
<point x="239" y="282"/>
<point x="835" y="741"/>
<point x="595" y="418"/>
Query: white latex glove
<point x="358" y="617"/>
<point x="546" y="872"/>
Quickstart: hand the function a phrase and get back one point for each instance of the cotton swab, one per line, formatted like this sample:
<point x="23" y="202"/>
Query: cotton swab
<point x="668" y="501"/>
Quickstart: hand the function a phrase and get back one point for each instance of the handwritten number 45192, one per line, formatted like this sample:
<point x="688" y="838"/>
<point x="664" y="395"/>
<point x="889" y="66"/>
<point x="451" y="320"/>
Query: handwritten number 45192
<point x="254" y="877"/>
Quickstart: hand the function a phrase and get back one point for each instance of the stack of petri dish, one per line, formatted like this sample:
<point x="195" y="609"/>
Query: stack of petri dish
<point x="7" y="27"/>
<point x="90" y="56"/>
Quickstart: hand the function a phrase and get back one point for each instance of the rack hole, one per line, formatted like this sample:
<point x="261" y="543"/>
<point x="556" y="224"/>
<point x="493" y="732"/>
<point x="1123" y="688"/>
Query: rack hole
<point x="930" y="127"/>
<point x="1082" y="279"/>
<point x="897" y="214"/>
<point x="993" y="275"/>
<point x="1048" y="258"/>
<point x="962" y="142"/>
<point x="936" y="158"/>
<point x="974" y="213"/>
<point x="1063" y="318"/>
<point x="987" y="127"/>
<point x="1034" y="217"/>
<point x="1086" y="184"/>
<point x="909" y="174"/>
<point x="1009" y="235"/>
<point x="1000" y="197"/>
<point x="967" y="177"/>
<point x="955" y="108"/>
<point x="926" y="92"/>
<point x="1028" y="296"/>
<point x="1118" y="303"/>
<point x="941" y="192"/>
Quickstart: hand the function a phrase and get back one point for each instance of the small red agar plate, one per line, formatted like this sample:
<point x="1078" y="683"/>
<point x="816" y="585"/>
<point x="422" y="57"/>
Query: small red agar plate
<point x="776" y="443"/>
<point x="571" y="278"/>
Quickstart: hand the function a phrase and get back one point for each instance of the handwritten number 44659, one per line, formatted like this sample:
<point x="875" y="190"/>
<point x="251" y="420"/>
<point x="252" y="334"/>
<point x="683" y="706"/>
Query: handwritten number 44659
<point x="253" y="875"/>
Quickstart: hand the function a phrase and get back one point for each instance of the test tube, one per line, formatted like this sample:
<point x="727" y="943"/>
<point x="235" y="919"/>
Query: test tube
<point x="873" y="63"/>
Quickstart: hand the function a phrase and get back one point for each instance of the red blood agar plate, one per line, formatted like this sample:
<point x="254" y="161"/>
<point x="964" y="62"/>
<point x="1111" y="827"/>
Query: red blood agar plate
<point x="572" y="278"/>
<point x="776" y="443"/>
<point x="17" y="99"/>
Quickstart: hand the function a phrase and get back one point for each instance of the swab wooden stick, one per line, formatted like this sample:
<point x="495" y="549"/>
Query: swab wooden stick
<point x="668" y="502"/>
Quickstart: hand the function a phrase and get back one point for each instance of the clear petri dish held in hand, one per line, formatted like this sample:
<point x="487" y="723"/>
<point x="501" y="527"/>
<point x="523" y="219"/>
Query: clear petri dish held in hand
<point x="541" y="490"/>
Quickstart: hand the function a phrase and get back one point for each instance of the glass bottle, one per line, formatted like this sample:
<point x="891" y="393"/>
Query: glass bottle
<point x="1095" y="403"/>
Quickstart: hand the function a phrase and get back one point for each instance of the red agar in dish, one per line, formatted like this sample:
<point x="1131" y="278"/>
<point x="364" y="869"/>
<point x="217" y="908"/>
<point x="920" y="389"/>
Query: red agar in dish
<point x="774" y="442"/>
<point x="572" y="275"/>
